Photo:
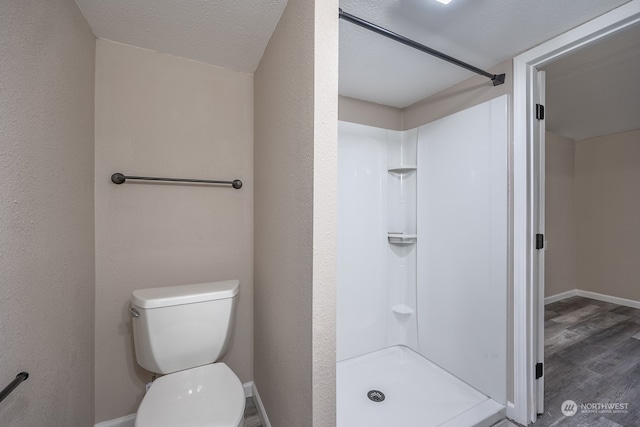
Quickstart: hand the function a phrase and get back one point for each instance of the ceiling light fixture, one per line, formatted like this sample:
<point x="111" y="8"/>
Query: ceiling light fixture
<point x="444" y="1"/>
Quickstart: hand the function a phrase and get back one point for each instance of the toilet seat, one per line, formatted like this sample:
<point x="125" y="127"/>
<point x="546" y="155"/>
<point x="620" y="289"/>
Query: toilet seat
<point x="206" y="396"/>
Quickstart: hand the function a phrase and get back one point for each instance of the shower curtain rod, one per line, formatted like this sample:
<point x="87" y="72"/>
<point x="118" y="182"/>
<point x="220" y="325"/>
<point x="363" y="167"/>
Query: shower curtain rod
<point x="497" y="79"/>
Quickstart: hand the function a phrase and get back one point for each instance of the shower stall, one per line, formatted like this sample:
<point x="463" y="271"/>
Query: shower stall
<point x="422" y="272"/>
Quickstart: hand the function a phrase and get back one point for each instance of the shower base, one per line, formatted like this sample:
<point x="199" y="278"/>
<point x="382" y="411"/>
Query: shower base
<point x="417" y="393"/>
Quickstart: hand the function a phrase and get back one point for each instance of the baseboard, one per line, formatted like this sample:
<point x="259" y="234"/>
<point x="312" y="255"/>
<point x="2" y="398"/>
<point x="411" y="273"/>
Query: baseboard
<point x="127" y="421"/>
<point x="593" y="295"/>
<point x="261" y="412"/>
<point x="560" y="296"/>
<point x="248" y="389"/>
<point x="609" y="298"/>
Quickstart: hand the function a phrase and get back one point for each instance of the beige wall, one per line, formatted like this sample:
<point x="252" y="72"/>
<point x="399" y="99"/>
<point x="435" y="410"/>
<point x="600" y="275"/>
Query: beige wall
<point x="295" y="146"/>
<point x="466" y="94"/>
<point x="159" y="115"/>
<point x="560" y="233"/>
<point x="46" y="214"/>
<point x="325" y="199"/>
<point x="607" y="214"/>
<point x="369" y="113"/>
<point x="472" y="91"/>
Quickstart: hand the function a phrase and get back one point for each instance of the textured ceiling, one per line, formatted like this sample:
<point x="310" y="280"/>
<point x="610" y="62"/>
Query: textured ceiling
<point x="595" y="91"/>
<point x="234" y="34"/>
<point x="483" y="33"/>
<point x="230" y="34"/>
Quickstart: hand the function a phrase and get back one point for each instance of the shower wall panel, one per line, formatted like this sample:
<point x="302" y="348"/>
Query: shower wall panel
<point x="462" y="245"/>
<point x="362" y="300"/>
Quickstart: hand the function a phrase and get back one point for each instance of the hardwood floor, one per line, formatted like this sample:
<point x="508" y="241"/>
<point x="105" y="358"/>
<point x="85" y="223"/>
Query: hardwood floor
<point x="592" y="355"/>
<point x="251" y="418"/>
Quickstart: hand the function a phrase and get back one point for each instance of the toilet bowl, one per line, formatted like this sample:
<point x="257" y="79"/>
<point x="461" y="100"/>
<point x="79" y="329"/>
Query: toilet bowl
<point x="207" y="396"/>
<point x="181" y="331"/>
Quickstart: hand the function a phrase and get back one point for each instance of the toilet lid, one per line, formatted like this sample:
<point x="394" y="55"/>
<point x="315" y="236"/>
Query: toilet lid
<point x="206" y="396"/>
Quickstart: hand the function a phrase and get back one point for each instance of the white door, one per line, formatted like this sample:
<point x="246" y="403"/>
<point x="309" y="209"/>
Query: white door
<point x="539" y="240"/>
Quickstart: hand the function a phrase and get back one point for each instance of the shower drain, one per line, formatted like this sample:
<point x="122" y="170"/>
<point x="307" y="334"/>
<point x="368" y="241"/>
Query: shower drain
<point x="375" y="395"/>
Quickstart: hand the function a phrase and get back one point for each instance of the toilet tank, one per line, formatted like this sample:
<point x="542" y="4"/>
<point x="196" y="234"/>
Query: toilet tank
<point x="181" y="327"/>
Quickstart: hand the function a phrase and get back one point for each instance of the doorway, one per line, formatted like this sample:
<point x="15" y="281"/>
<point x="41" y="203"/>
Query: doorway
<point x="529" y="198"/>
<point x="592" y="165"/>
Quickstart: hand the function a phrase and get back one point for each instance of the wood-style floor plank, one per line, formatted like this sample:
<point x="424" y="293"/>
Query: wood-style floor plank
<point x="251" y="417"/>
<point x="592" y="355"/>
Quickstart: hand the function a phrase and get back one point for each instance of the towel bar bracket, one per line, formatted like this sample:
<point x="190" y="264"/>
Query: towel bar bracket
<point x="22" y="376"/>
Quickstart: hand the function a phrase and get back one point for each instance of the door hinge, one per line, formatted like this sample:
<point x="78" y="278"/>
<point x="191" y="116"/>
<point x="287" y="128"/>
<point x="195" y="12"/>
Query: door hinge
<point x="539" y="241"/>
<point x="539" y="111"/>
<point x="539" y="370"/>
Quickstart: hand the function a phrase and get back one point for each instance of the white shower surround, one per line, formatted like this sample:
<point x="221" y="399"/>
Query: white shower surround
<point x="456" y="307"/>
<point x="462" y="245"/>
<point x="362" y="249"/>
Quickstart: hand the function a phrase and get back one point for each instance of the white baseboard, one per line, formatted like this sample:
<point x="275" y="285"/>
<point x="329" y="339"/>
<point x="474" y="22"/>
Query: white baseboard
<point x="127" y="421"/>
<point x="608" y="298"/>
<point x="261" y="412"/>
<point x="560" y="296"/>
<point x="593" y="295"/>
<point x="248" y="389"/>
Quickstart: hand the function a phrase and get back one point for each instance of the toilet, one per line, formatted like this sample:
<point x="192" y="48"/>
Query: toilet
<point x="180" y="332"/>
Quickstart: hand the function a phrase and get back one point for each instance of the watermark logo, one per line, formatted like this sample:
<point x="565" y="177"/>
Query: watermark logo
<point x="569" y="408"/>
<point x="604" y="408"/>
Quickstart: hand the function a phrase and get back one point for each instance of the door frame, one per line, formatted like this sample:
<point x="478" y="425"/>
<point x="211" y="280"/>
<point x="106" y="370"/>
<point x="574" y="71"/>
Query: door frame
<point x="526" y="181"/>
<point x="540" y="221"/>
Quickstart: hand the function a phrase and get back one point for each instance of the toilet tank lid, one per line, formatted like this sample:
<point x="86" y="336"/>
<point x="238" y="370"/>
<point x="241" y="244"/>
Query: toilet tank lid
<point x="184" y="294"/>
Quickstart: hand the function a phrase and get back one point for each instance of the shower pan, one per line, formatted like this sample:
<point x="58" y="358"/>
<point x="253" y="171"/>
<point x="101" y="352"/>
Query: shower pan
<point x="422" y="272"/>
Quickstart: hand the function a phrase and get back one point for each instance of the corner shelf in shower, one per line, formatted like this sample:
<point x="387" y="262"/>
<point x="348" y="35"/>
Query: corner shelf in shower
<point x="402" y="168"/>
<point x="402" y="238"/>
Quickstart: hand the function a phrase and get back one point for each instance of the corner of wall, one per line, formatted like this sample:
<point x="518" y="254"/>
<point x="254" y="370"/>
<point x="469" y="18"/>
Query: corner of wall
<point x="560" y="232"/>
<point x="369" y="113"/>
<point x="325" y="195"/>
<point x="283" y="217"/>
<point x="466" y="94"/>
<point x="295" y="175"/>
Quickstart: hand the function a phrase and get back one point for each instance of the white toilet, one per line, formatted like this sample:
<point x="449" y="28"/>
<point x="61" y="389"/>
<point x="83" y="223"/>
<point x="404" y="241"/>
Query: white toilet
<point x="181" y="331"/>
